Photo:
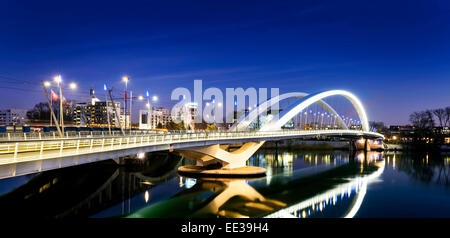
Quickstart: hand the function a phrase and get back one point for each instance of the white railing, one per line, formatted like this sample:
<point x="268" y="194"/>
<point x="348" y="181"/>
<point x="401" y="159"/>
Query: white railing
<point x="82" y="145"/>
<point x="14" y="136"/>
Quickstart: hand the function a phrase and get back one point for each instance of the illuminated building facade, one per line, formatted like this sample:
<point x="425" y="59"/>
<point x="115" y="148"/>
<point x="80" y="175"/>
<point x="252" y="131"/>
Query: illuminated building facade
<point x="12" y="116"/>
<point x="160" y="116"/>
<point x="187" y="114"/>
<point x="96" y="114"/>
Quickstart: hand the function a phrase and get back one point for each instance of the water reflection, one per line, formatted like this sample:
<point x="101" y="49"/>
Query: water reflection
<point x="316" y="206"/>
<point x="423" y="167"/>
<point x="297" y="196"/>
<point x="213" y="198"/>
<point x="86" y="190"/>
<point x="298" y="184"/>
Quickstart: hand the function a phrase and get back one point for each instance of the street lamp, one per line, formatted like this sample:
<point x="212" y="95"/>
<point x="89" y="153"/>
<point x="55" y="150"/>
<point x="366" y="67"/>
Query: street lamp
<point x="125" y="79"/>
<point x="321" y="122"/>
<point x="306" y="119"/>
<point x="47" y="84"/>
<point x="58" y="80"/>
<point x="300" y="123"/>
<point x="73" y="85"/>
<point x="107" y="109"/>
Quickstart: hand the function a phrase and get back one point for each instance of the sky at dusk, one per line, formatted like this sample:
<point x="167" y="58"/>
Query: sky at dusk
<point x="394" y="55"/>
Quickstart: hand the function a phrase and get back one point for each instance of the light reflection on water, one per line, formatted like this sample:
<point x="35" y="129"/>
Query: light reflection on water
<point x="298" y="184"/>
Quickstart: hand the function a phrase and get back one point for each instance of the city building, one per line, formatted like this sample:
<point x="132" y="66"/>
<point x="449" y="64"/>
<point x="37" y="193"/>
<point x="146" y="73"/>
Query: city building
<point x="405" y="134"/>
<point x="88" y="114"/>
<point x="187" y="114"/>
<point x="160" y="116"/>
<point x="122" y="118"/>
<point x="151" y="121"/>
<point x="12" y="117"/>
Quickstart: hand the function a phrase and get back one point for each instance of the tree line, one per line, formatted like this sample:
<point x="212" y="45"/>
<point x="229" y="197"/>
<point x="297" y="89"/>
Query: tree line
<point x="425" y="120"/>
<point x="41" y="111"/>
<point x="429" y="124"/>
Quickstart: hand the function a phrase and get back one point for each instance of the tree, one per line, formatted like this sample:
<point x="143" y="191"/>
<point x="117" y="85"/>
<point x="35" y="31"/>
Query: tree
<point x="440" y="114"/>
<point x="447" y="117"/>
<point x="422" y="120"/>
<point x="379" y="126"/>
<point x="210" y="127"/>
<point x="175" y="126"/>
<point x="40" y="111"/>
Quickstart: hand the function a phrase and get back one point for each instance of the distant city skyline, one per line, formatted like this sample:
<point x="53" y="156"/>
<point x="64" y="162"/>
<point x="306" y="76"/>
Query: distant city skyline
<point x="393" y="55"/>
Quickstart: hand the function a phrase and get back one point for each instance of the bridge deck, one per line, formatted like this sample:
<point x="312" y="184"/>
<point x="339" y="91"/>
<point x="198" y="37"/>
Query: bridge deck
<point x="26" y="156"/>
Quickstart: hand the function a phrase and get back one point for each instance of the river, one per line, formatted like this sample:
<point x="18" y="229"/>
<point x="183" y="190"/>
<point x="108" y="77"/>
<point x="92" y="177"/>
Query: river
<point x="300" y="184"/>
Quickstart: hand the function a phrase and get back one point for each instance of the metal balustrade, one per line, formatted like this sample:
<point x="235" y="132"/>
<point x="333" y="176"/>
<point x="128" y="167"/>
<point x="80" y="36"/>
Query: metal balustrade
<point x="13" y="136"/>
<point x="82" y="145"/>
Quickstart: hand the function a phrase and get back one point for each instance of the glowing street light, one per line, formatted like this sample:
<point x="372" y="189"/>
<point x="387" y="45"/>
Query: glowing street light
<point x="47" y="84"/>
<point x="58" y="79"/>
<point x="73" y="85"/>
<point x="155" y="98"/>
<point x="125" y="79"/>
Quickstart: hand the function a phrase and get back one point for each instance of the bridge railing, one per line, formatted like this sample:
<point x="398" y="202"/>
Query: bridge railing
<point x="14" y="136"/>
<point x="77" y="145"/>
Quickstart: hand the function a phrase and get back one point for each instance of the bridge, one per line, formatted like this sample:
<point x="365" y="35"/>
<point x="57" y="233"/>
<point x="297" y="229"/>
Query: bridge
<point x="30" y="154"/>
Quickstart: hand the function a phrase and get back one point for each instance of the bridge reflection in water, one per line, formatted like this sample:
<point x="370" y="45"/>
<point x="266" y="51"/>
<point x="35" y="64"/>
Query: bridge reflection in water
<point x="309" y="192"/>
<point x="299" y="184"/>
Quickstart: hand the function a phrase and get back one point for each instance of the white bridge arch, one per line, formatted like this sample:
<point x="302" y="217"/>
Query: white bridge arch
<point x="300" y="105"/>
<point x="214" y="153"/>
<point x="245" y="120"/>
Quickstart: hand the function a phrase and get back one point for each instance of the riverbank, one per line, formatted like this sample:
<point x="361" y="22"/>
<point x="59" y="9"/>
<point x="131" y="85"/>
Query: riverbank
<point x="307" y="145"/>
<point x="339" y="145"/>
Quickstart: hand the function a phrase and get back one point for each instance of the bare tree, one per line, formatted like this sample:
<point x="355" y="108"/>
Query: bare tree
<point x="440" y="114"/>
<point x="447" y="117"/>
<point x="422" y="120"/>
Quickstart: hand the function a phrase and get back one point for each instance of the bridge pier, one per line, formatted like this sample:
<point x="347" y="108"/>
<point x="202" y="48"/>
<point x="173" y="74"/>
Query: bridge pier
<point x="229" y="163"/>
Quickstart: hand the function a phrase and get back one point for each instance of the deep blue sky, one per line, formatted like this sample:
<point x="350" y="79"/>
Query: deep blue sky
<point x="394" y="55"/>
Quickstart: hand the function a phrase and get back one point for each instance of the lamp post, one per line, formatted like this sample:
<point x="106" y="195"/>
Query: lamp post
<point x="314" y="121"/>
<point x="300" y="121"/>
<point x="219" y="104"/>
<point x="47" y="84"/>
<point x="58" y="80"/>
<point x="306" y="119"/>
<point x="321" y="122"/>
<point x="107" y="108"/>
<point x="149" y="113"/>
<point x="131" y="107"/>
<point x="125" y="79"/>
<point x="51" y="109"/>
<point x="73" y="86"/>
<point x="214" y="112"/>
